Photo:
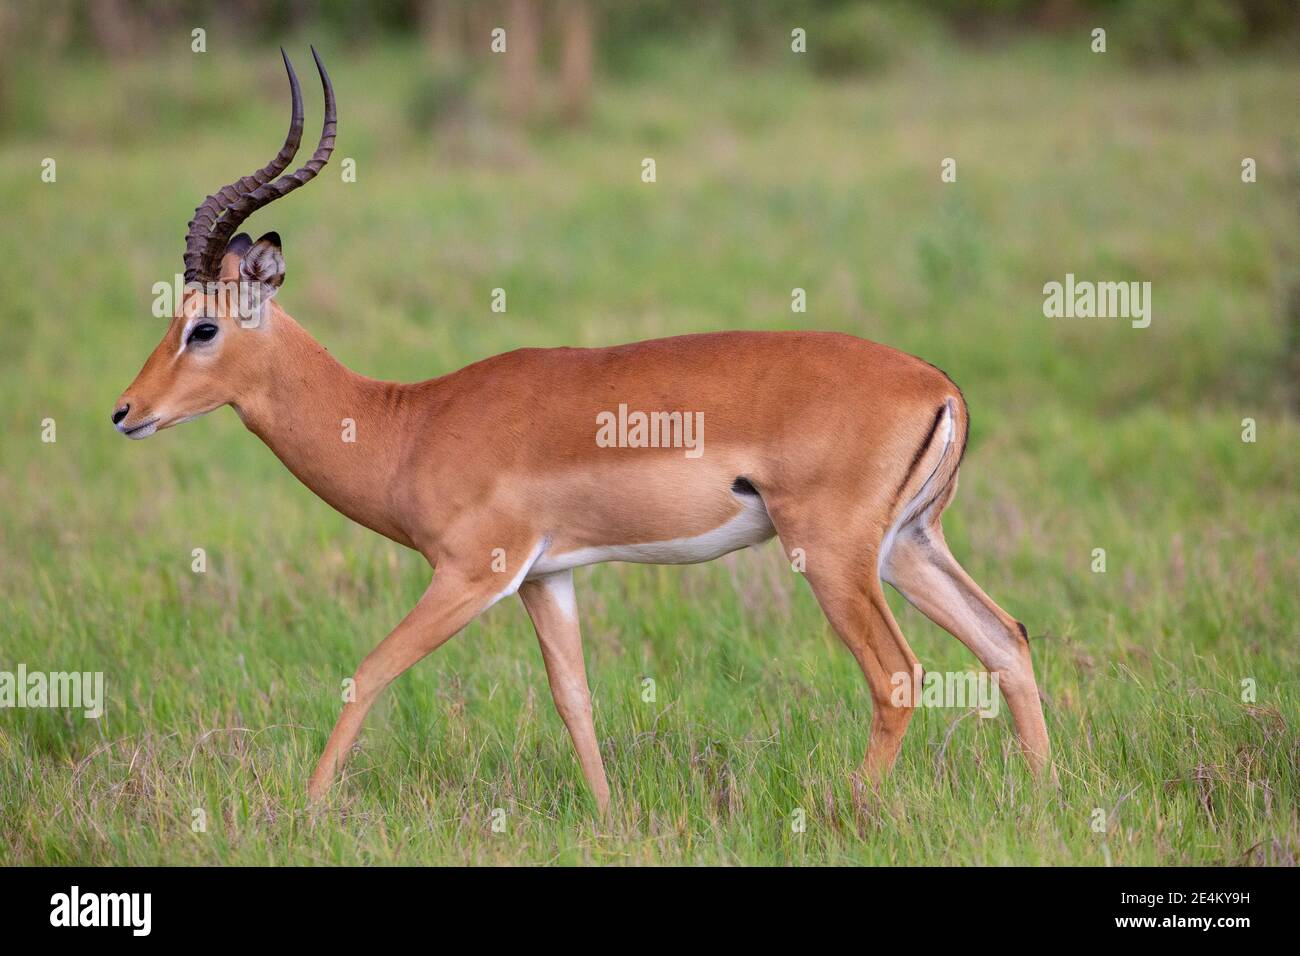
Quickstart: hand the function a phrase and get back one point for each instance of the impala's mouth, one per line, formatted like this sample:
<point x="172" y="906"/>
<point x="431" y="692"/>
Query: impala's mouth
<point x="143" y="430"/>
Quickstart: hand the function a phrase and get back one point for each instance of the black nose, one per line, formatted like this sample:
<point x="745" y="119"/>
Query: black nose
<point x="120" y="413"/>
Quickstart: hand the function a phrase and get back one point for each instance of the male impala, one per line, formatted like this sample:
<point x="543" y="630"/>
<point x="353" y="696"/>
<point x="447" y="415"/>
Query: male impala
<point x="843" y="448"/>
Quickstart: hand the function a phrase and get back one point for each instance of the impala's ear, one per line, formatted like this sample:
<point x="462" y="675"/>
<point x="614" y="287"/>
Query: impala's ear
<point x="233" y="256"/>
<point x="264" y="263"/>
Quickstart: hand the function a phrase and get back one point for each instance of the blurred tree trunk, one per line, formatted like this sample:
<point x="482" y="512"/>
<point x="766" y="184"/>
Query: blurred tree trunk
<point x="523" y="29"/>
<point x="112" y="27"/>
<point x="480" y="20"/>
<point x="1057" y="14"/>
<point x="8" y="26"/>
<point x="575" y="63"/>
<point x="302" y="12"/>
<point x="444" y="25"/>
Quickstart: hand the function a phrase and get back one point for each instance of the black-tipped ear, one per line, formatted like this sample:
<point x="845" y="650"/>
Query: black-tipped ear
<point x="239" y="245"/>
<point x="264" y="262"/>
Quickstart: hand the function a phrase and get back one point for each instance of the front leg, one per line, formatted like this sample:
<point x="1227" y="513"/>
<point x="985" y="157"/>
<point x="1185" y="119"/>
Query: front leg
<point x="550" y="603"/>
<point x="458" y="594"/>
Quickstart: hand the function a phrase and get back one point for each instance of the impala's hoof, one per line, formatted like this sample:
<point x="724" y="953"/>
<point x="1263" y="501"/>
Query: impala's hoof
<point x="316" y="791"/>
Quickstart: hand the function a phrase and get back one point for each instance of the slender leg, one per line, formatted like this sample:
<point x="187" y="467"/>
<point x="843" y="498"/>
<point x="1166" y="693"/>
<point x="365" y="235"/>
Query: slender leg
<point x="451" y="602"/>
<point x="864" y="622"/>
<point x="550" y="603"/>
<point x="925" y="572"/>
<point x="841" y="568"/>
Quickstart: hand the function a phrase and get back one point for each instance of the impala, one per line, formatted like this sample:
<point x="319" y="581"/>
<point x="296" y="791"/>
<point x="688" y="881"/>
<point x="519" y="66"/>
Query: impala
<point x="843" y="448"/>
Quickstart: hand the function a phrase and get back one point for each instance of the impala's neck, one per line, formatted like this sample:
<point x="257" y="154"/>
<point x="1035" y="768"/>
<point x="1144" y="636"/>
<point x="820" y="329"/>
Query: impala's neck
<point x="342" y="434"/>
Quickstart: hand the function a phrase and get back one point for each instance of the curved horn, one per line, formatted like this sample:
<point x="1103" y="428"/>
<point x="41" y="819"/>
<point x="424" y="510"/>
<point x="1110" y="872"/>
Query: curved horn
<point x="265" y="193"/>
<point x="198" y="239"/>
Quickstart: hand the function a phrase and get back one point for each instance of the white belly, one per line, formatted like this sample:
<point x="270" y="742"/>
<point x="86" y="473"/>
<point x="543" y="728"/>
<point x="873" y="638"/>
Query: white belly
<point x="752" y="526"/>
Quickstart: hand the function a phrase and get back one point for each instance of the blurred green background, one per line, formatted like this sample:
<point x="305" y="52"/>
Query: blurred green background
<point x="775" y="170"/>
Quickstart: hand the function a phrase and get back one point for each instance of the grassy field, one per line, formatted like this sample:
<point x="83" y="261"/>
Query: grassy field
<point x="1086" y="434"/>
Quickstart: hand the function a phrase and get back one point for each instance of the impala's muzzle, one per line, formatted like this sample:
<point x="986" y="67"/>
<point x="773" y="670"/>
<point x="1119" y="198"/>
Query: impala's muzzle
<point x="139" y="427"/>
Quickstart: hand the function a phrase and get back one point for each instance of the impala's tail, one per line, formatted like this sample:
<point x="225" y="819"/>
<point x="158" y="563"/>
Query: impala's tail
<point x="953" y="427"/>
<point x="931" y="479"/>
<point x="936" y="462"/>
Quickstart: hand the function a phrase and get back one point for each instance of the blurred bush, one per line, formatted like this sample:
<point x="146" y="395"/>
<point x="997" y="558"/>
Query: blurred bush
<point x="863" y="32"/>
<point x="561" y="40"/>
<point x="442" y="95"/>
<point x="864" y="38"/>
<point x="1180" y="31"/>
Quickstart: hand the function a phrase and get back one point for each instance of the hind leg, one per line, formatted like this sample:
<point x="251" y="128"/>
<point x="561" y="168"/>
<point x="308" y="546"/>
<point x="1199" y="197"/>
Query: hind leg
<point x="924" y="571"/>
<point x="862" y="619"/>
<point x="841" y="568"/>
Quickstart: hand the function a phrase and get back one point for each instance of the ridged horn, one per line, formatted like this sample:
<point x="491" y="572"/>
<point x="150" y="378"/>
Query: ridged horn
<point x="267" y="192"/>
<point x="198" y="240"/>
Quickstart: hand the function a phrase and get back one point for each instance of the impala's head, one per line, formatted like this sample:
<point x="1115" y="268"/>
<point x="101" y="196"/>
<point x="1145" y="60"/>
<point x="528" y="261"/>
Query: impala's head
<point x="221" y="343"/>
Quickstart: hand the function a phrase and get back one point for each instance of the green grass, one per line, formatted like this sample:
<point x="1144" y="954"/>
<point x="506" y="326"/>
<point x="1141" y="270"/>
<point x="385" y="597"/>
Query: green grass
<point x="1086" y="434"/>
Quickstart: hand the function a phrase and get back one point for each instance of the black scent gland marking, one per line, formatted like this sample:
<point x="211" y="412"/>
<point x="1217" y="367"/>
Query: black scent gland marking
<point x="741" y="486"/>
<point x="916" y="459"/>
<point x="934" y="427"/>
<point x="1024" y="634"/>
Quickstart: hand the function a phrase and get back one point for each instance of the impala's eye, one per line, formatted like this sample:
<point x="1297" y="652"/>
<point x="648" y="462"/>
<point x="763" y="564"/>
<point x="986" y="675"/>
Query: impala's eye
<point x="203" y="332"/>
